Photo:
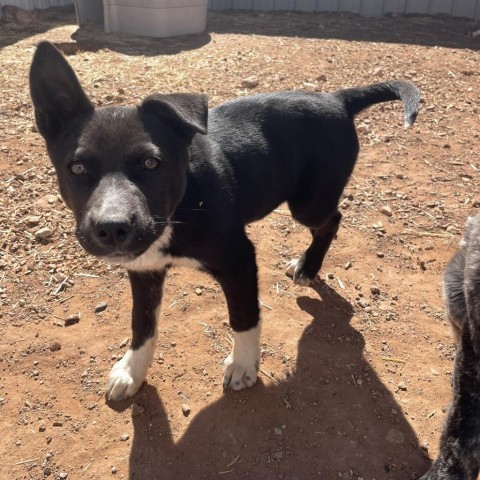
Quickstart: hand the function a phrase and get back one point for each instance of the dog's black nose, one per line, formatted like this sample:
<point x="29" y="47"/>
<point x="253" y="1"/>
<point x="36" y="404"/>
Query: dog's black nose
<point x="113" y="233"/>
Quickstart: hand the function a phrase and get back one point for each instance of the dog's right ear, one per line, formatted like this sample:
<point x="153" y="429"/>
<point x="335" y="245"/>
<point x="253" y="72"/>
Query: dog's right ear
<point x="187" y="111"/>
<point x="55" y="90"/>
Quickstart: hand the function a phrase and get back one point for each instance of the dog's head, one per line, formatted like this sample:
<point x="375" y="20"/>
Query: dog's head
<point x="122" y="170"/>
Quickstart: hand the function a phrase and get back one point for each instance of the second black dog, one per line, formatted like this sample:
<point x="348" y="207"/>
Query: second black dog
<point x="459" y="457"/>
<point x="150" y="189"/>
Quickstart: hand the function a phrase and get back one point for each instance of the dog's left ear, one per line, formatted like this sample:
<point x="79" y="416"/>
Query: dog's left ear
<point x="187" y="111"/>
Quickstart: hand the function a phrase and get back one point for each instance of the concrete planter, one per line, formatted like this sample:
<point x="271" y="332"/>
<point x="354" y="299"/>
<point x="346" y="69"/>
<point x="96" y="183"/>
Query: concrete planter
<point x="155" y="18"/>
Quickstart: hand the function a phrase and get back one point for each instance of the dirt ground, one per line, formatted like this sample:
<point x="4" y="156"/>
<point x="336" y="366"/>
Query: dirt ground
<point x="356" y="372"/>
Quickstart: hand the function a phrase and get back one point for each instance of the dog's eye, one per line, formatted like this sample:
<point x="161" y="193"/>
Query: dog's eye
<point x="77" y="168"/>
<point x="151" y="163"/>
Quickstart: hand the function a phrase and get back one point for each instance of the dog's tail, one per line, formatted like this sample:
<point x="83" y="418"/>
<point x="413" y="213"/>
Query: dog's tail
<point x="357" y="99"/>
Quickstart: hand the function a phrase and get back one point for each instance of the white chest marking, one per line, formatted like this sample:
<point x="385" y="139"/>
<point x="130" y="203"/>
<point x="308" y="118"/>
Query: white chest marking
<point x="155" y="259"/>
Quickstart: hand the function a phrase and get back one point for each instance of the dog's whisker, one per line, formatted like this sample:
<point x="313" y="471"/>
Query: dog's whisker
<point x="168" y="223"/>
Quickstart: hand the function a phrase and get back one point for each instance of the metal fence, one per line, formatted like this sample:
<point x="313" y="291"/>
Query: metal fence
<point x="31" y="4"/>
<point x="369" y="8"/>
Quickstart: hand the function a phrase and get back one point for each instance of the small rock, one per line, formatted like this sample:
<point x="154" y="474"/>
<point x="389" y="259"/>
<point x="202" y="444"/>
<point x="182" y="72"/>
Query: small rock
<point x="322" y="78"/>
<point x="185" y="410"/>
<point x="377" y="72"/>
<point x="363" y="128"/>
<point x="375" y="290"/>
<point x="72" y="319"/>
<point x="62" y="475"/>
<point x="124" y="437"/>
<point x="278" y="431"/>
<point x="173" y="344"/>
<point x="43" y="233"/>
<point x="123" y="343"/>
<point x="42" y="427"/>
<point x="46" y="202"/>
<point x="380" y="254"/>
<point x="348" y="265"/>
<point x="250" y="82"/>
<point x="57" y="424"/>
<point x="47" y="471"/>
<point x="198" y="291"/>
<point x="100" y="307"/>
<point x="55" y="346"/>
<point x="114" y="470"/>
<point x="402" y="386"/>
<point x="330" y="276"/>
<point x="33" y="220"/>
<point x="386" y="210"/>
<point x="137" y="409"/>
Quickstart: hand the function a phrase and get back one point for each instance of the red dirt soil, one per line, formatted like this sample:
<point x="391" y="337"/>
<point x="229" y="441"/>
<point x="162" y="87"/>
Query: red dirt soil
<point x="356" y="371"/>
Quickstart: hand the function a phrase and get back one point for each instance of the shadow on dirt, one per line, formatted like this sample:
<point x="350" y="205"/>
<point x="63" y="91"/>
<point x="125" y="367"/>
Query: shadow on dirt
<point x="418" y="30"/>
<point x="439" y="31"/>
<point x="333" y="418"/>
<point x="17" y="24"/>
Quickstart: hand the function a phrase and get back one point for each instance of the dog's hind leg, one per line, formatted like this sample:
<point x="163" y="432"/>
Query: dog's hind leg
<point x="128" y="374"/>
<point x="304" y="270"/>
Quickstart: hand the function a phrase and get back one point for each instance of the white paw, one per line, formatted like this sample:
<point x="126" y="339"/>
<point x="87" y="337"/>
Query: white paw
<point x="241" y="366"/>
<point x="293" y="271"/>
<point x="128" y="374"/>
<point x="239" y="376"/>
<point x="121" y="382"/>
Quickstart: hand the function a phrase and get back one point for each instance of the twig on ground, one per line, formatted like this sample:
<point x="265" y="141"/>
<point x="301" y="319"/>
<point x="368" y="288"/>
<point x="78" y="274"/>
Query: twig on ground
<point x="269" y="376"/>
<point x="27" y="461"/>
<point x="391" y="359"/>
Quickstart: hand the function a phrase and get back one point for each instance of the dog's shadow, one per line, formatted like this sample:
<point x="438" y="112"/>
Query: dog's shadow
<point x="333" y="418"/>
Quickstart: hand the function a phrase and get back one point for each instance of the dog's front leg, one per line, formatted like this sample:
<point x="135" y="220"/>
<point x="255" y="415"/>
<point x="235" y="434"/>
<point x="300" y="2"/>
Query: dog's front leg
<point x="128" y="374"/>
<point x="239" y="283"/>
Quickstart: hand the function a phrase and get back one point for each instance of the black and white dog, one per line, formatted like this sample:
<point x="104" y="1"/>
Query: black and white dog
<point x="459" y="457"/>
<point x="151" y="189"/>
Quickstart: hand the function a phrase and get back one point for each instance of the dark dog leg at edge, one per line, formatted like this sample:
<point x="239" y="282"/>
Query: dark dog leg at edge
<point x="460" y="442"/>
